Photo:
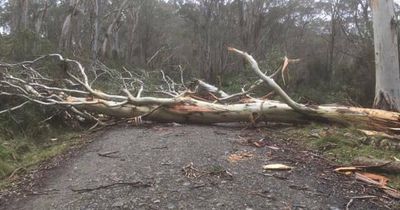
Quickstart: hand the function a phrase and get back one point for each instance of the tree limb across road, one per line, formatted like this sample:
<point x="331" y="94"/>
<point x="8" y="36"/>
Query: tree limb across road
<point x="199" y="103"/>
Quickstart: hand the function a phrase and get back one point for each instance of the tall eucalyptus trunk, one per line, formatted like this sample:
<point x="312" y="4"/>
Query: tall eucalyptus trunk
<point x="387" y="90"/>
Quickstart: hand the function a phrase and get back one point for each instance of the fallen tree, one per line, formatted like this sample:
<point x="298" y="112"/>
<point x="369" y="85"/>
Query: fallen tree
<point x="199" y="103"/>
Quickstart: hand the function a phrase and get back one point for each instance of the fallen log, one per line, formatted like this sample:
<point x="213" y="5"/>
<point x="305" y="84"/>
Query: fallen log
<point x="189" y="110"/>
<point x="182" y="105"/>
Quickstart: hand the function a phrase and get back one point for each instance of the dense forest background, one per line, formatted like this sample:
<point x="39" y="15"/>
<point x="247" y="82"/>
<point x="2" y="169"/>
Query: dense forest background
<point x="333" y="39"/>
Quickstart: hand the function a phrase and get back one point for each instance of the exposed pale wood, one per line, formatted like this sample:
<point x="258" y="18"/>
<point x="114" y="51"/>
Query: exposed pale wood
<point x="183" y="106"/>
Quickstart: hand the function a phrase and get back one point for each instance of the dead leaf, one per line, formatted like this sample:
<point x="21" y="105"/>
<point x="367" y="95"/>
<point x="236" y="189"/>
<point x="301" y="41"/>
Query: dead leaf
<point x="260" y="143"/>
<point x="233" y="158"/>
<point x="251" y="142"/>
<point x="191" y="172"/>
<point x="277" y="167"/>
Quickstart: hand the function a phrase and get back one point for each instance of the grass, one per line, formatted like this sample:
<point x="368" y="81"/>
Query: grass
<point x="26" y="153"/>
<point x="40" y="153"/>
<point x="344" y="145"/>
<point x="27" y="138"/>
<point x="5" y="168"/>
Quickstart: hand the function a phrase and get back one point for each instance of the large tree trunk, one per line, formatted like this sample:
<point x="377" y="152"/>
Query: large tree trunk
<point x="188" y="110"/>
<point x="387" y="92"/>
<point x="70" y="26"/>
<point x="40" y="18"/>
<point x="19" y="18"/>
<point x="202" y="103"/>
<point x="95" y="36"/>
<point x="111" y="36"/>
<point x="133" y="20"/>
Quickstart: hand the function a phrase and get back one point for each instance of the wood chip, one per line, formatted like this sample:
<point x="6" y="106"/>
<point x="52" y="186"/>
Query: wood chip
<point x="345" y="170"/>
<point x="277" y="167"/>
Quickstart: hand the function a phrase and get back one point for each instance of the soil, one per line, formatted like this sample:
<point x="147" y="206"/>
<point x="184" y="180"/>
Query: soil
<point x="172" y="166"/>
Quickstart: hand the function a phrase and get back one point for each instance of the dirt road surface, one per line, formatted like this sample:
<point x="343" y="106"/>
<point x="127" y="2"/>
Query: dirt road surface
<point x="169" y="166"/>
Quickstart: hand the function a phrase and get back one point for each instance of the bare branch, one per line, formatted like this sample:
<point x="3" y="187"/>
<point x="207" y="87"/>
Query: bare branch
<point x="14" y="108"/>
<point x="181" y="106"/>
<point x="150" y="100"/>
<point x="166" y="81"/>
<point x="289" y="101"/>
<point x="181" y="74"/>
<point x="211" y="89"/>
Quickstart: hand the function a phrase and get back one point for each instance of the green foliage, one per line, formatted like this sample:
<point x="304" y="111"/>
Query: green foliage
<point x="320" y="94"/>
<point x="28" y="136"/>
<point x="4" y="153"/>
<point x="23" y="152"/>
<point x="5" y="169"/>
<point x="343" y="145"/>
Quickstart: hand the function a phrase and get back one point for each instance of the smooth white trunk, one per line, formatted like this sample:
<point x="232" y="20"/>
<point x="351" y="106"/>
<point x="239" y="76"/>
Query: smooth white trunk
<point x="387" y="92"/>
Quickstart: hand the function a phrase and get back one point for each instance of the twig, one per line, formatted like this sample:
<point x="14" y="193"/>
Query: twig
<point x="358" y="197"/>
<point x="263" y="194"/>
<point x="182" y="80"/>
<point x="107" y="154"/>
<point x="14" y="108"/>
<point x="16" y="171"/>
<point x="131" y="184"/>
<point x="166" y="81"/>
<point x="155" y="55"/>
<point x="162" y="147"/>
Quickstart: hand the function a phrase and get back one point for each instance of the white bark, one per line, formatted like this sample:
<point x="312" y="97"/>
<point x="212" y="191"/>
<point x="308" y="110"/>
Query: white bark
<point x="24" y="15"/>
<point x="40" y="18"/>
<point x="20" y="15"/>
<point x="182" y="106"/>
<point x="96" y="30"/>
<point x="133" y="20"/>
<point x="289" y="101"/>
<point x="112" y="32"/>
<point x="387" y="92"/>
<point x="70" y="26"/>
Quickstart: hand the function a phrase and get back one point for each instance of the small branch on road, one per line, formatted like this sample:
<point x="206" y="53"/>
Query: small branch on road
<point x="159" y="148"/>
<point x="131" y="184"/>
<point x="108" y="154"/>
<point x="358" y="197"/>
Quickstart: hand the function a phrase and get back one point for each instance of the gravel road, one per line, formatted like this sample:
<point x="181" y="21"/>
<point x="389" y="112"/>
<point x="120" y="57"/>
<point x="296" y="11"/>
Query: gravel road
<point x="170" y="166"/>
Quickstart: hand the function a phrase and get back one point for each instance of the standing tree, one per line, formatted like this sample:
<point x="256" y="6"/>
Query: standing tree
<point x="387" y="92"/>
